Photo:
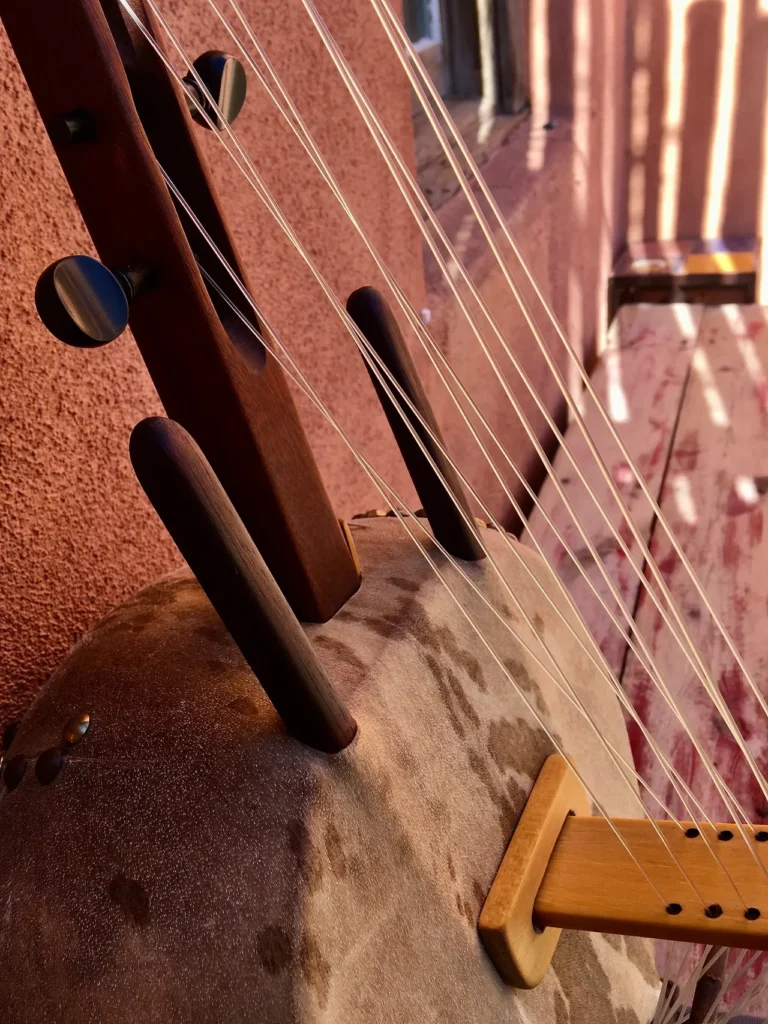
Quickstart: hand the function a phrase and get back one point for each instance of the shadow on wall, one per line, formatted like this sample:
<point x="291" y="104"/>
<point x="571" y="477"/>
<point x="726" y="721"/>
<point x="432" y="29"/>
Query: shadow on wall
<point x="698" y="153"/>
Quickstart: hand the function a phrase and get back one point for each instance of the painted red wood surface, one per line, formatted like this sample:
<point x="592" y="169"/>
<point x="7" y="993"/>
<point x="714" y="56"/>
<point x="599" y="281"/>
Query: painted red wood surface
<point x="640" y="380"/>
<point x="713" y="499"/>
<point x="695" y="393"/>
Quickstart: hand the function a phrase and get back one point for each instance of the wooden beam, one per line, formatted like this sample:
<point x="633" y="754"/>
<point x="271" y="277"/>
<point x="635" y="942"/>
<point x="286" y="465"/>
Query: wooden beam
<point x="565" y="869"/>
<point x="520" y="951"/>
<point x="593" y="884"/>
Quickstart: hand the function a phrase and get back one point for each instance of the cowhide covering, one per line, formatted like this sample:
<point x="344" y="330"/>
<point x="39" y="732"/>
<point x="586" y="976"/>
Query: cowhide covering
<point x="193" y="863"/>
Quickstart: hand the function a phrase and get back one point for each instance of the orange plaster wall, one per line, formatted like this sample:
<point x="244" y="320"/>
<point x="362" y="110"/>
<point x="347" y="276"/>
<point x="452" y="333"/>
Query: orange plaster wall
<point x="76" y="534"/>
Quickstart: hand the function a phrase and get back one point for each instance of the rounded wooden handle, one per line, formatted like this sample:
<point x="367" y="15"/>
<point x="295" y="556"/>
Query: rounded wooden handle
<point x="196" y="511"/>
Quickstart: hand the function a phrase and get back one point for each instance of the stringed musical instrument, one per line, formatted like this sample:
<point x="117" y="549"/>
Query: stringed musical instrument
<point x="337" y="771"/>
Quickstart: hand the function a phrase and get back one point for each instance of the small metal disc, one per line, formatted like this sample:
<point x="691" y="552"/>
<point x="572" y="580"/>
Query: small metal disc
<point x="75" y="729"/>
<point x="14" y="771"/>
<point x="48" y="765"/>
<point x="82" y="302"/>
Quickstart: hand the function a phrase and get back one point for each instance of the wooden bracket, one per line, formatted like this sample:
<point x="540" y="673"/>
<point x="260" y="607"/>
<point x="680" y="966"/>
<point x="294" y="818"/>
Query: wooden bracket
<point x="520" y="950"/>
<point x="666" y="880"/>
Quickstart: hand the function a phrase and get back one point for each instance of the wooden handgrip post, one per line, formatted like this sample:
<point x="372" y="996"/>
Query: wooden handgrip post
<point x="210" y="535"/>
<point x="376" y="322"/>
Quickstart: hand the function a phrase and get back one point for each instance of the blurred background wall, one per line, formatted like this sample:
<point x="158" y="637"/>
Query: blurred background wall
<point x="698" y="114"/>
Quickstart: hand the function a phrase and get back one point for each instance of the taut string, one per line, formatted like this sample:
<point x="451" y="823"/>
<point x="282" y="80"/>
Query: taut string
<point x="408" y="55"/>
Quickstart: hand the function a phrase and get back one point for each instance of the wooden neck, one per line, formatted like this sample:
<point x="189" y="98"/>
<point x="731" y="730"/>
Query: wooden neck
<point x="566" y="869"/>
<point x="715" y="891"/>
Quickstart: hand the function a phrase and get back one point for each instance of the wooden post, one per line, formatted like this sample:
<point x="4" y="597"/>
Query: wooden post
<point x="443" y="499"/>
<point x="593" y="884"/>
<point x="212" y="375"/>
<point x="197" y="513"/>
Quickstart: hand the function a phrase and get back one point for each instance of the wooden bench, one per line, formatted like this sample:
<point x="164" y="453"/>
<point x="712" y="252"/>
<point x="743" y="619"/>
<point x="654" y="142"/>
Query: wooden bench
<point x="687" y="388"/>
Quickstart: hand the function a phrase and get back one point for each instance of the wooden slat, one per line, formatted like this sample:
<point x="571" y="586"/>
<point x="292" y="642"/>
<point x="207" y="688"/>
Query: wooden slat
<point x="624" y="902"/>
<point x="714" y="500"/>
<point x="640" y="379"/>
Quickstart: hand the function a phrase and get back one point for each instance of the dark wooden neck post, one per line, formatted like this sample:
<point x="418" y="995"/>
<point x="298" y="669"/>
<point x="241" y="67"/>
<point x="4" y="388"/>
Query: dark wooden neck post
<point x="441" y="493"/>
<point x="199" y="516"/>
<point x="212" y="376"/>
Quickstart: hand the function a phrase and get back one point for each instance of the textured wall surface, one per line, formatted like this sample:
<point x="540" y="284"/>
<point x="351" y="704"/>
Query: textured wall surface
<point x="699" y="115"/>
<point x="557" y="183"/>
<point x="76" y="534"/>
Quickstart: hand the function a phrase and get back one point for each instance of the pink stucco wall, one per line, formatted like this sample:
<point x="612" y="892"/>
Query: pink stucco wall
<point x="76" y="534"/>
<point x="699" y="107"/>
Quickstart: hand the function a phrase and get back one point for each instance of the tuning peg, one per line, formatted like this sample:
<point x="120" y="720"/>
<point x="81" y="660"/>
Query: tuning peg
<point x="85" y="304"/>
<point x="224" y="78"/>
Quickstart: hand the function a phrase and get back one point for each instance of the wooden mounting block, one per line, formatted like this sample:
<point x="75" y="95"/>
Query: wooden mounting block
<point x="566" y="869"/>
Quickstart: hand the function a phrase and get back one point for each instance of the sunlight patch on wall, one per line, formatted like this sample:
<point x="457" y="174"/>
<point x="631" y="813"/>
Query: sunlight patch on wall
<point x="683" y="498"/>
<point x="618" y="406"/>
<point x="611" y="108"/>
<point x="762" y="208"/>
<point x="702" y="367"/>
<point x="671" y="140"/>
<point x="746" y="490"/>
<point x="685" y="320"/>
<point x="722" y="136"/>
<point x="538" y="63"/>
<point x="638" y="127"/>
<point x="489" y="101"/>
<point x="582" y="105"/>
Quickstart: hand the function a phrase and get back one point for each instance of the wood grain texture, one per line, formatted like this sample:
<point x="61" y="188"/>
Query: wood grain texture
<point x="714" y="501"/>
<point x="199" y="516"/>
<point x="521" y="952"/>
<point x="592" y="883"/>
<point x="376" y="322"/>
<point x="640" y="380"/>
<point x="232" y="399"/>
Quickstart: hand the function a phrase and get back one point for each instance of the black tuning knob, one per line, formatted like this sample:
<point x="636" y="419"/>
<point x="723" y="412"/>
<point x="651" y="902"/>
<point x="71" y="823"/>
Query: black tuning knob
<point x="85" y="304"/>
<point x="224" y="78"/>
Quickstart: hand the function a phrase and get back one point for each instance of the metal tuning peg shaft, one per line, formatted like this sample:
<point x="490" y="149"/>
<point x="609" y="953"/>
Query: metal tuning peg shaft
<point x="85" y="304"/>
<point x="224" y="78"/>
